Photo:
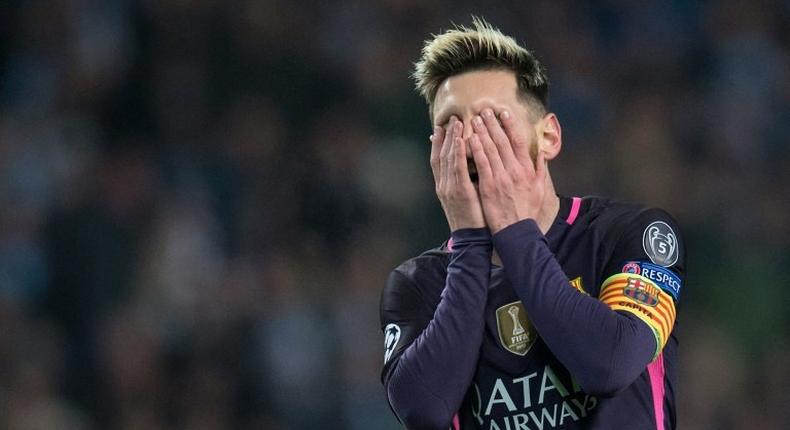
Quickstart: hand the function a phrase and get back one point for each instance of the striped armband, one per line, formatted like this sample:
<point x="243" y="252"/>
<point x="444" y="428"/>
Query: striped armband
<point x="641" y="297"/>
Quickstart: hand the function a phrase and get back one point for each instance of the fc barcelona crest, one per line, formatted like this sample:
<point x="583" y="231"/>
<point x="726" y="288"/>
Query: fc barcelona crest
<point x="641" y="291"/>
<point x="516" y="332"/>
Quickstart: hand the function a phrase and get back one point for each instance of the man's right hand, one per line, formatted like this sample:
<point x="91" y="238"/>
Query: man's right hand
<point x="454" y="187"/>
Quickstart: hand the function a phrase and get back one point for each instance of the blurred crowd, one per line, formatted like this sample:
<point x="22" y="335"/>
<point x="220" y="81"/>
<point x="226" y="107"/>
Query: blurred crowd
<point x="200" y="200"/>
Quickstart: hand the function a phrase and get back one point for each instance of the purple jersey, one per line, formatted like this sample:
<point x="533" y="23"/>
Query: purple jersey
<point x="574" y="331"/>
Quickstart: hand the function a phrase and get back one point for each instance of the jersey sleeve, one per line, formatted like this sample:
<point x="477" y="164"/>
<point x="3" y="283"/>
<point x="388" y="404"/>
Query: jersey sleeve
<point x="604" y="350"/>
<point x="645" y="273"/>
<point x="404" y="315"/>
<point x="433" y="328"/>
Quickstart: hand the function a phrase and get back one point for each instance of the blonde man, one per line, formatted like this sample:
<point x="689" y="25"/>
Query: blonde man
<point x="541" y="311"/>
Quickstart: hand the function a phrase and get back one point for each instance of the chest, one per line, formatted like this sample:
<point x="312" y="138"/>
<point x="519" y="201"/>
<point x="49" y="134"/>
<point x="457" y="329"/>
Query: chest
<point x="517" y="374"/>
<point x="583" y="259"/>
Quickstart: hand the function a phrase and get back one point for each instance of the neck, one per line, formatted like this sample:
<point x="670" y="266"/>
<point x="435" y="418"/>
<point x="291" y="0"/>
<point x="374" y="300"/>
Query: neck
<point x="551" y="206"/>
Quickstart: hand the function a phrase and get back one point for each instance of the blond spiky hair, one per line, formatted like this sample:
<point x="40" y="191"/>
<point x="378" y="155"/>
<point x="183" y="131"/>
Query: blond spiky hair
<point x="481" y="47"/>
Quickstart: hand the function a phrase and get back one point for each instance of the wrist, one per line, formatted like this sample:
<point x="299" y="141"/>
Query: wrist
<point x="511" y="221"/>
<point x="504" y="223"/>
<point x="470" y="236"/>
<point x="464" y="225"/>
<point x="524" y="231"/>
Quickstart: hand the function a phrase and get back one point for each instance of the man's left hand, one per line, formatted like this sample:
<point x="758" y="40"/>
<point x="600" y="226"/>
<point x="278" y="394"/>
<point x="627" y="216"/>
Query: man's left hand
<point x="511" y="187"/>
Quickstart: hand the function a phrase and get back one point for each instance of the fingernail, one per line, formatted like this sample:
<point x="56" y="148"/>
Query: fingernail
<point x="458" y="127"/>
<point x="430" y="137"/>
<point x="478" y="121"/>
<point x="488" y="113"/>
<point x="436" y="130"/>
<point x="505" y="115"/>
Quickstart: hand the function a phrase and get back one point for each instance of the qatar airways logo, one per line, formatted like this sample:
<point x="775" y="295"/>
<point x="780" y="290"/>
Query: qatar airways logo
<point x="540" y="400"/>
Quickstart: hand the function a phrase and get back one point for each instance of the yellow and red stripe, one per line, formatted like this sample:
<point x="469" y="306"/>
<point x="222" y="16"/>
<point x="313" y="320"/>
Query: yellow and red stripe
<point x="642" y="298"/>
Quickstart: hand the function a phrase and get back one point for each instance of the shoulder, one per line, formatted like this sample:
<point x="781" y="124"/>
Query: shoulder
<point x="424" y="268"/>
<point x="613" y="210"/>
<point x="631" y="231"/>
<point x="616" y="218"/>
<point x="642" y="239"/>
<point x="425" y="264"/>
<point x="418" y="281"/>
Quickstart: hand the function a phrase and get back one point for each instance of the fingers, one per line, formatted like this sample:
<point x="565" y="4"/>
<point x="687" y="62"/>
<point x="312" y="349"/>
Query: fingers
<point x="437" y="138"/>
<point x="491" y="129"/>
<point x="491" y="151"/>
<point x="448" y="164"/>
<point x="484" y="172"/>
<point x="519" y="143"/>
<point x="454" y="128"/>
<point x="460" y="168"/>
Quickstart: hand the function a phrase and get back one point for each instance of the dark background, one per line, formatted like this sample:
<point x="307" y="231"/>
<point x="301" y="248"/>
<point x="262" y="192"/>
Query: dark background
<point x="200" y="200"/>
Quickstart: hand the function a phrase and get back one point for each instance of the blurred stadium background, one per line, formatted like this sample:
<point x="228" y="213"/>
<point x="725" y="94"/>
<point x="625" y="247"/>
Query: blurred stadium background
<point x="200" y="200"/>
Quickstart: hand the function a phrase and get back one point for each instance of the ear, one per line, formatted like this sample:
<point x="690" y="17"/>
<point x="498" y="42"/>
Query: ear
<point x="549" y="136"/>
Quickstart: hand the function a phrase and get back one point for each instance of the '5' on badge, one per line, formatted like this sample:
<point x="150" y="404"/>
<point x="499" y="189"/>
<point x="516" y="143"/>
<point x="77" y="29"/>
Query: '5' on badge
<point x="660" y="243"/>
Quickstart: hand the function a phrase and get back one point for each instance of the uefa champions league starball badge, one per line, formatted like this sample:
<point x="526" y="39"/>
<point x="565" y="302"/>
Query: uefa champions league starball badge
<point x="391" y="338"/>
<point x="660" y="243"/>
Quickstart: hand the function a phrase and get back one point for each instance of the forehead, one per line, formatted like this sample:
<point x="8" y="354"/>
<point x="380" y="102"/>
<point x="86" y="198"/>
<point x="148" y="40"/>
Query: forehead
<point x="475" y="90"/>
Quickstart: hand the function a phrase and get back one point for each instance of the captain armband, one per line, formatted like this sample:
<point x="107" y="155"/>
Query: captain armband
<point x="641" y="297"/>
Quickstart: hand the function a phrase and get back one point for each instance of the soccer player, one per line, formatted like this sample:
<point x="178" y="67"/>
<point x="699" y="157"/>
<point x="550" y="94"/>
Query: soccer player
<point x="540" y="311"/>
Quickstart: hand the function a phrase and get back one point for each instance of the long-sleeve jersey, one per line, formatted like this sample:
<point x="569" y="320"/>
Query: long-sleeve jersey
<point x="575" y="330"/>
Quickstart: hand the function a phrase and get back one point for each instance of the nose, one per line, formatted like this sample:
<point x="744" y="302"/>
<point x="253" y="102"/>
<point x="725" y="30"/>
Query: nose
<point x="468" y="130"/>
